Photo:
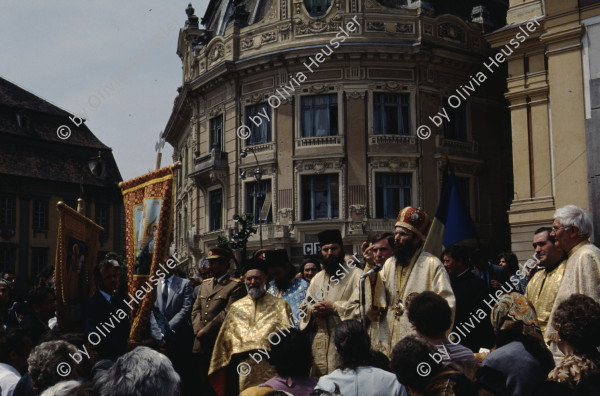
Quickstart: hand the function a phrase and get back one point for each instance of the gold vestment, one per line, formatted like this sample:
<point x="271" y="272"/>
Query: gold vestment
<point x="582" y="276"/>
<point x="427" y="273"/>
<point x="344" y="294"/>
<point x="246" y="328"/>
<point x="541" y="291"/>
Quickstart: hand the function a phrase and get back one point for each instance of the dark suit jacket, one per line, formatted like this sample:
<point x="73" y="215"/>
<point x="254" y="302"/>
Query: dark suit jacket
<point x="179" y="304"/>
<point x="495" y="272"/>
<point x="99" y="312"/>
<point x="470" y="292"/>
<point x="210" y="309"/>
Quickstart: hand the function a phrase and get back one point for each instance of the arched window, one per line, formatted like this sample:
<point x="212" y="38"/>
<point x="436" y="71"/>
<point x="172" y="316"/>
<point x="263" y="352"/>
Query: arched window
<point x="317" y="8"/>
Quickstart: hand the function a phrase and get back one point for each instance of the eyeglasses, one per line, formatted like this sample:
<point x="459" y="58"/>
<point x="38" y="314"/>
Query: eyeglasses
<point x="555" y="229"/>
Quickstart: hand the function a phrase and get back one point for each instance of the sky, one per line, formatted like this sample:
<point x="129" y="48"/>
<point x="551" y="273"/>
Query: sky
<point x="66" y="51"/>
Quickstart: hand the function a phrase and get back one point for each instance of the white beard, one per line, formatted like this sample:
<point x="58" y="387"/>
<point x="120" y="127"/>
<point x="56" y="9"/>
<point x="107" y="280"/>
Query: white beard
<point x="256" y="292"/>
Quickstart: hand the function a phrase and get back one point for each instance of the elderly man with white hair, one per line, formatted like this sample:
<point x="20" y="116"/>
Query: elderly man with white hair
<point x="140" y="372"/>
<point x="571" y="229"/>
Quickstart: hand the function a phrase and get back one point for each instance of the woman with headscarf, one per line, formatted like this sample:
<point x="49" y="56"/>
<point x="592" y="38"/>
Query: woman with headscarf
<point x="520" y="355"/>
<point x="577" y="321"/>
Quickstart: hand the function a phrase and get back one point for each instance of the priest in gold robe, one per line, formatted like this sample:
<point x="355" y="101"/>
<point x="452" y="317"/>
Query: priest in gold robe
<point x="572" y="228"/>
<point x="333" y="296"/>
<point x="407" y="273"/>
<point x="253" y="323"/>
<point x="543" y="285"/>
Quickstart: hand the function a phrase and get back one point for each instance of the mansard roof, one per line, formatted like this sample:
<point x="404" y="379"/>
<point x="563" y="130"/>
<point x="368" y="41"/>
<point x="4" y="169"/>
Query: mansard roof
<point x="30" y="146"/>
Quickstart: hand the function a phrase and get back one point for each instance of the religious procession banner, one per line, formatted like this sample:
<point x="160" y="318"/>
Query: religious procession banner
<point x="76" y="255"/>
<point x="148" y="203"/>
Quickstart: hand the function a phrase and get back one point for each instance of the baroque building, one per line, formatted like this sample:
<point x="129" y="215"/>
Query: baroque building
<point x="327" y="97"/>
<point x="37" y="170"/>
<point x="554" y="93"/>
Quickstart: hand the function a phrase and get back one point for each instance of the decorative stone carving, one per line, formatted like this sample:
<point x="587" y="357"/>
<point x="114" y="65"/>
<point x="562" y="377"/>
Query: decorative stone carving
<point x="319" y="166"/>
<point x="318" y="88"/>
<point x="216" y="53"/>
<point x="408" y="28"/>
<point x="428" y="29"/>
<point x="268" y="37"/>
<point x="356" y="94"/>
<point x="215" y="111"/>
<point x="375" y="26"/>
<point x="247" y="42"/>
<point x="373" y="4"/>
<point x="286" y="216"/>
<point x="309" y="27"/>
<point x="358" y="219"/>
<point x="284" y="31"/>
<point x="451" y="31"/>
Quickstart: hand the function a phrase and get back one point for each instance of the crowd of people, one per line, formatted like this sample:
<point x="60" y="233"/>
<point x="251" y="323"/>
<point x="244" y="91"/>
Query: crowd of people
<point x="396" y="321"/>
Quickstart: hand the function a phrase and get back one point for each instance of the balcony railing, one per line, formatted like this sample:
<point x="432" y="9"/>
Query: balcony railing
<point x="392" y="139"/>
<point x="320" y="141"/>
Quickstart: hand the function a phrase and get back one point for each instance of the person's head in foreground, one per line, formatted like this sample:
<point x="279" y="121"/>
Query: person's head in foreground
<point x="415" y="369"/>
<point x="47" y="363"/>
<point x="352" y="343"/>
<point x="16" y="348"/>
<point x="520" y="354"/>
<point x="430" y="316"/>
<point x="255" y="277"/>
<point x="63" y="388"/>
<point x="140" y="372"/>
<point x="411" y="227"/>
<point x="332" y="250"/>
<point x="572" y="225"/>
<point x="292" y="357"/>
<point x="410" y="360"/>
<point x="577" y="321"/>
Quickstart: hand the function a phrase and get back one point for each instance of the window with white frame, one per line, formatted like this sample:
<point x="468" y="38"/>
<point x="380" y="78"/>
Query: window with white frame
<point x="319" y="115"/>
<point x="391" y="114"/>
<point x="393" y="191"/>
<point x="320" y="197"/>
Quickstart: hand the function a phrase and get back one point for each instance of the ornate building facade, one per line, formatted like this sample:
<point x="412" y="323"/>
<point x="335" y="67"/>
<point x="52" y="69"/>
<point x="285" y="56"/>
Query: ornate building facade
<point x="554" y="94"/>
<point x="329" y="96"/>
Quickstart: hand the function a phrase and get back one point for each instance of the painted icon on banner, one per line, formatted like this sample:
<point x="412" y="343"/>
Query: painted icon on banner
<point x="146" y="230"/>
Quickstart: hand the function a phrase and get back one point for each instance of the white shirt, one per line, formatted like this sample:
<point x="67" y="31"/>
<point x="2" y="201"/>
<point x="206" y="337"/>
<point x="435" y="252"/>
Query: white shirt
<point x="365" y="380"/>
<point x="9" y="377"/>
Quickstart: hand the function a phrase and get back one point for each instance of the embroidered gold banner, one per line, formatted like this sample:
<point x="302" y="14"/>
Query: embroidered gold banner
<point x="148" y="203"/>
<point x="76" y="256"/>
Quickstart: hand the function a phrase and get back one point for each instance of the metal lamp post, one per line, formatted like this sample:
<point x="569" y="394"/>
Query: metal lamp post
<point x="257" y="177"/>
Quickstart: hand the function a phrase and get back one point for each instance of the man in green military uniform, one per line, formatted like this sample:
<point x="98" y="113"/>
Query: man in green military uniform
<point x="214" y="298"/>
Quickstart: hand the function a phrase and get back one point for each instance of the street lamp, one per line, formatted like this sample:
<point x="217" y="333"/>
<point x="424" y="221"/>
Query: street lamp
<point x="257" y="176"/>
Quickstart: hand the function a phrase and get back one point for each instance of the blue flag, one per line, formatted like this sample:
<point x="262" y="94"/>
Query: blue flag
<point x="452" y="223"/>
